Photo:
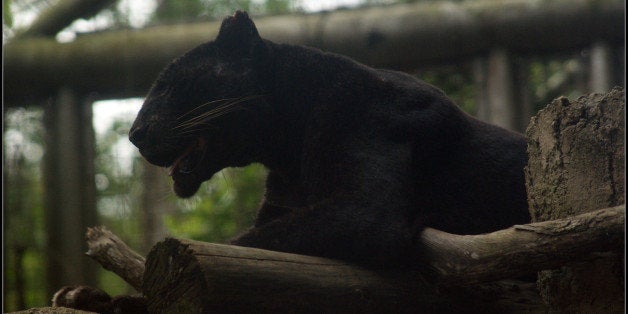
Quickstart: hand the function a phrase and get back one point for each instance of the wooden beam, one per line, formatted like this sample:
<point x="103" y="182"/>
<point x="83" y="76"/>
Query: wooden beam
<point x="122" y="64"/>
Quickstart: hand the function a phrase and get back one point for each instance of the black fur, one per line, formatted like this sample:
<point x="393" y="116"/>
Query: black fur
<point x="359" y="159"/>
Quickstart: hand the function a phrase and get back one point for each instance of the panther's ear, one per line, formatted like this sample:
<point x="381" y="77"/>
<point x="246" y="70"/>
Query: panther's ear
<point x="238" y="35"/>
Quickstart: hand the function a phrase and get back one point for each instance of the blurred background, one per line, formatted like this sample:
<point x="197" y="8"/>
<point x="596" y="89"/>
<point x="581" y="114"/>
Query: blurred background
<point x="75" y="73"/>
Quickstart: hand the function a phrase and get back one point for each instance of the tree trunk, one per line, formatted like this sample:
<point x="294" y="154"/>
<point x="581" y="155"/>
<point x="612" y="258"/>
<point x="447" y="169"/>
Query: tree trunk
<point x="576" y="163"/>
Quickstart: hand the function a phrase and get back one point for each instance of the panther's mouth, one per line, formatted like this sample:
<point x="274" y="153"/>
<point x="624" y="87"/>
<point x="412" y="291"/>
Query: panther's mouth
<point x="184" y="170"/>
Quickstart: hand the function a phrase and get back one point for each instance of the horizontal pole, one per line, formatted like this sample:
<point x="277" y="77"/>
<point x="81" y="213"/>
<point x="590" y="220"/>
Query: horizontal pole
<point x="121" y="64"/>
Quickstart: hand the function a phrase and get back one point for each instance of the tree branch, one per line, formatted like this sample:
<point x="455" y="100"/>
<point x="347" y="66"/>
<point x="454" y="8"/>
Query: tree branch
<point x="522" y="249"/>
<point x="114" y="255"/>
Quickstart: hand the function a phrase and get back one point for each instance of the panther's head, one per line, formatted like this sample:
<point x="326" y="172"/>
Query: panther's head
<point x="205" y="110"/>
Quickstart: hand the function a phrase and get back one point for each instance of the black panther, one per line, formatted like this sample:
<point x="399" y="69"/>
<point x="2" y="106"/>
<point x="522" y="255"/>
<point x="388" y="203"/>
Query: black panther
<point x="359" y="159"/>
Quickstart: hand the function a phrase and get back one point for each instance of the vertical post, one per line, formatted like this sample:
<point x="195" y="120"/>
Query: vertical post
<point x="480" y="69"/>
<point x="496" y="91"/>
<point x="70" y="195"/>
<point x="154" y="187"/>
<point x="600" y="68"/>
<point x="500" y="89"/>
<point x="524" y="107"/>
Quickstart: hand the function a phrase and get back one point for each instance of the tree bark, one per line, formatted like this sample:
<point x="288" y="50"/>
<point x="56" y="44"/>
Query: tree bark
<point x="122" y="64"/>
<point x="577" y="160"/>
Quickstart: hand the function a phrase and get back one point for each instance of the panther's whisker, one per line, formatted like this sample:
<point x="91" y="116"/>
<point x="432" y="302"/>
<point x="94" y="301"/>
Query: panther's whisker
<point x="206" y="114"/>
<point x="237" y="100"/>
<point x="189" y="133"/>
<point x="207" y="119"/>
<point x="202" y="115"/>
<point x="205" y="104"/>
<point x="216" y="112"/>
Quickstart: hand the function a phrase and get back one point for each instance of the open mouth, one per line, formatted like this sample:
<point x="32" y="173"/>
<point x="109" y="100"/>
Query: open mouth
<point x="189" y="161"/>
<point x="184" y="170"/>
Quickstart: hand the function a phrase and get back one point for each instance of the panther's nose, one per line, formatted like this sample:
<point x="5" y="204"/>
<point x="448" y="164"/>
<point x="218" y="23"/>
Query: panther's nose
<point x="137" y="134"/>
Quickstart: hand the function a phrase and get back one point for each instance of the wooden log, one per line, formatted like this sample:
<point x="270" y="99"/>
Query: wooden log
<point x="52" y="310"/>
<point x="184" y="275"/>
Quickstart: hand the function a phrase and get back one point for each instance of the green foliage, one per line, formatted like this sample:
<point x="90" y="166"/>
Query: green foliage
<point x="456" y="81"/>
<point x="7" y="17"/>
<point x="33" y="280"/>
<point x="169" y="10"/>
<point x="224" y="207"/>
<point x="551" y="78"/>
<point x="24" y="237"/>
<point x="278" y="6"/>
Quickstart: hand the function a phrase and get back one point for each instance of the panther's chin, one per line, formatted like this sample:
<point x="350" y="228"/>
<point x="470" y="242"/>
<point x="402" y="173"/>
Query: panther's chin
<point x="186" y="188"/>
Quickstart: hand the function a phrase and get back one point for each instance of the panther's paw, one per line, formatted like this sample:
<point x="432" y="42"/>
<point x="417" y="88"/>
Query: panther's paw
<point x="95" y="300"/>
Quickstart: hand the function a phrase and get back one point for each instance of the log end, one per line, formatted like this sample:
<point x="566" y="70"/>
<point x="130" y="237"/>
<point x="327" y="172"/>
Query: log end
<point x="171" y="272"/>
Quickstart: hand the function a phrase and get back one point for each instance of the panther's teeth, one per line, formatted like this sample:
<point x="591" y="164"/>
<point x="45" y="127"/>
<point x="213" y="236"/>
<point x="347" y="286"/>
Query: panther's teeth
<point x="181" y="164"/>
<point x="175" y="166"/>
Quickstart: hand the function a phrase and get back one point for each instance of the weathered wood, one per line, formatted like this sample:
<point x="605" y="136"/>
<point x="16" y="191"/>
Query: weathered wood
<point x="51" y="310"/>
<point x="577" y="156"/>
<point x="182" y="274"/>
<point x="577" y="160"/>
<point x="185" y="276"/>
<point x="521" y="249"/>
<point x="114" y="255"/>
<point x="404" y="36"/>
